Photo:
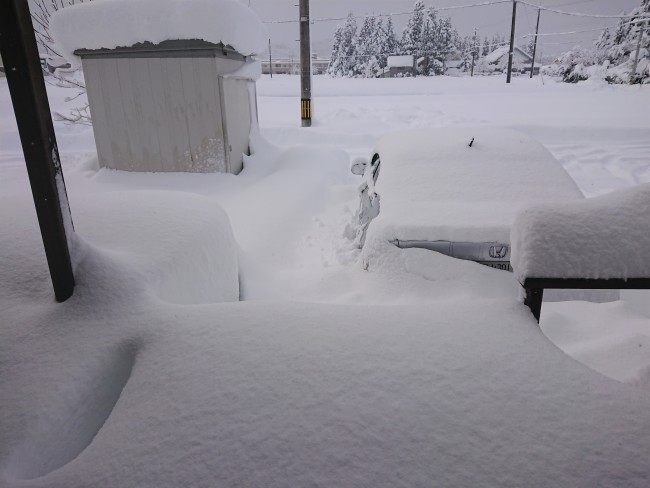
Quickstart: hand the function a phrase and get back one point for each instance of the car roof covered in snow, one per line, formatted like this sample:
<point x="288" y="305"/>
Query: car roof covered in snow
<point x="108" y="24"/>
<point x="434" y="186"/>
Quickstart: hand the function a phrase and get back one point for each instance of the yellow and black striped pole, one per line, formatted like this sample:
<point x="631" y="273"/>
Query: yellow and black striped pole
<point x="305" y="109"/>
<point x="305" y="65"/>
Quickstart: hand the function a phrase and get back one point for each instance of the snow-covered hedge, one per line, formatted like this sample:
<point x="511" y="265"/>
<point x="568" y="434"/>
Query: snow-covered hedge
<point x="120" y="23"/>
<point x="605" y="237"/>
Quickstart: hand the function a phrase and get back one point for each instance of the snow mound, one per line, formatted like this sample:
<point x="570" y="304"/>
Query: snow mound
<point x="107" y="24"/>
<point x="180" y="246"/>
<point x="605" y="237"/>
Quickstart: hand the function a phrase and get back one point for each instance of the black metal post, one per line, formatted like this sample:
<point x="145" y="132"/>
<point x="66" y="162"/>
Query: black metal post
<point x="305" y="64"/>
<point x="512" y="40"/>
<point x="533" y="300"/>
<point x="532" y="67"/>
<point x="32" y="110"/>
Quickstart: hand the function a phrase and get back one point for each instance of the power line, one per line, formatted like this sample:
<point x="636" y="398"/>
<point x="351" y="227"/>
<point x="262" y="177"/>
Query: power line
<point x="392" y="14"/>
<point x="600" y="29"/>
<point x="581" y="14"/>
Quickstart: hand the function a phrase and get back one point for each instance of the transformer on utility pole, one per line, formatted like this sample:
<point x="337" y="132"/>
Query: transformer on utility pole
<point x="305" y="64"/>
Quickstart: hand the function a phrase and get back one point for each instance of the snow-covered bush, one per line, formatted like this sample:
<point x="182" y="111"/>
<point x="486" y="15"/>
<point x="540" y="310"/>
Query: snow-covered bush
<point x="614" y="54"/>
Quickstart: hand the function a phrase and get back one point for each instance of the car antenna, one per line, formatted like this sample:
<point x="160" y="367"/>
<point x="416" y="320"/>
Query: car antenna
<point x="471" y="142"/>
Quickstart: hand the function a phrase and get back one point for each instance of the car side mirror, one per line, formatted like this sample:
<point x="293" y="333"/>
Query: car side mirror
<point x="359" y="165"/>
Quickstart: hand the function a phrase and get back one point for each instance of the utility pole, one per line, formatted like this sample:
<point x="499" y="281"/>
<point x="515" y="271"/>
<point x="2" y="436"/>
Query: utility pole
<point x="642" y="29"/>
<point x="270" y="60"/>
<point x="532" y="66"/>
<point x="305" y="64"/>
<point x="512" y="40"/>
<point x="34" y="120"/>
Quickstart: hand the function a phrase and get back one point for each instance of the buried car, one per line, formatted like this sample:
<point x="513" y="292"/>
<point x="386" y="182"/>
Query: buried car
<point x="455" y="191"/>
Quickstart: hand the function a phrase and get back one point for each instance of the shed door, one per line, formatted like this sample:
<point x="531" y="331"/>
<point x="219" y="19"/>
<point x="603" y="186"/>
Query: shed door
<point x="237" y="120"/>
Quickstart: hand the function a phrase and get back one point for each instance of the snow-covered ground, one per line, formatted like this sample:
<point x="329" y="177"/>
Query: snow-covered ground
<point x="423" y="370"/>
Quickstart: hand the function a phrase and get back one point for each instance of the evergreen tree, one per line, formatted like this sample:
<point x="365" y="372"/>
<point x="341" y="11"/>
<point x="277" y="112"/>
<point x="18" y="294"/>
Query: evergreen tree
<point x="466" y="54"/>
<point x="446" y="36"/>
<point x="412" y="35"/>
<point x="333" y="68"/>
<point x="486" y="47"/>
<point x="391" y="45"/>
<point x="366" y="48"/>
<point x="428" y="47"/>
<point x="530" y="46"/>
<point x="344" y="41"/>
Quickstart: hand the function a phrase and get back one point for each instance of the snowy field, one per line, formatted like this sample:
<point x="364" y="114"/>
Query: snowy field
<point x="422" y="371"/>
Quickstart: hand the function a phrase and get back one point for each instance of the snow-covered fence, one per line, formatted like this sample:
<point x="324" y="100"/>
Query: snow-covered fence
<point x="600" y="243"/>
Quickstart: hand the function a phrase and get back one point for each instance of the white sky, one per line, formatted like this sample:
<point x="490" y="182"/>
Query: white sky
<point x="488" y="20"/>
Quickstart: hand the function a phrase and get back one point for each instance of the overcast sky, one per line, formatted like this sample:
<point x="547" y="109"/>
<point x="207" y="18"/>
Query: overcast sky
<point x="488" y="20"/>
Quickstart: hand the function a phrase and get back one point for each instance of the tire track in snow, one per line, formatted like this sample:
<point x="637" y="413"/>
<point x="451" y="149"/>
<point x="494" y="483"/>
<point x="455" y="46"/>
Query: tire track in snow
<point x="599" y="168"/>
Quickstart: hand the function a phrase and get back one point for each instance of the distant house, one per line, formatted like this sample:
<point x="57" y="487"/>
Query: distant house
<point x="281" y="66"/>
<point x="291" y="66"/>
<point x="497" y="60"/>
<point x="400" y="66"/>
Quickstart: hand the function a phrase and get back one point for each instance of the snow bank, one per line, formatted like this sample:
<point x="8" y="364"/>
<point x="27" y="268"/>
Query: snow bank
<point x="433" y="186"/>
<point x="180" y="245"/>
<point x="600" y="238"/>
<point x="107" y="24"/>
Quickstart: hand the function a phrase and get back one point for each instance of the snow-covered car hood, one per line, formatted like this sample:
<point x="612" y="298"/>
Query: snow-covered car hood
<point x="435" y="186"/>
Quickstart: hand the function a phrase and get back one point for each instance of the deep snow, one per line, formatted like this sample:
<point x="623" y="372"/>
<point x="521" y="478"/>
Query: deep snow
<point x="423" y="371"/>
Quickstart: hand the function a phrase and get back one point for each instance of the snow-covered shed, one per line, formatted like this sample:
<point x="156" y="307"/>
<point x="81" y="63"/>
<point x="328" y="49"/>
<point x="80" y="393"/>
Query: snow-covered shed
<point x="171" y="84"/>
<point x="498" y="59"/>
<point x="401" y="65"/>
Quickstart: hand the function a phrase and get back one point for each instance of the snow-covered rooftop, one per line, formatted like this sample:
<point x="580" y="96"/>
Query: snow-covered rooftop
<point x="107" y="24"/>
<point x="502" y="51"/>
<point x="497" y="54"/>
<point x="400" y="61"/>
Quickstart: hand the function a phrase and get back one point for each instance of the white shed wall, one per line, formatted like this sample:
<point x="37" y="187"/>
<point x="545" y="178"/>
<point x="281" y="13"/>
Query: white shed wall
<point x="166" y="114"/>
